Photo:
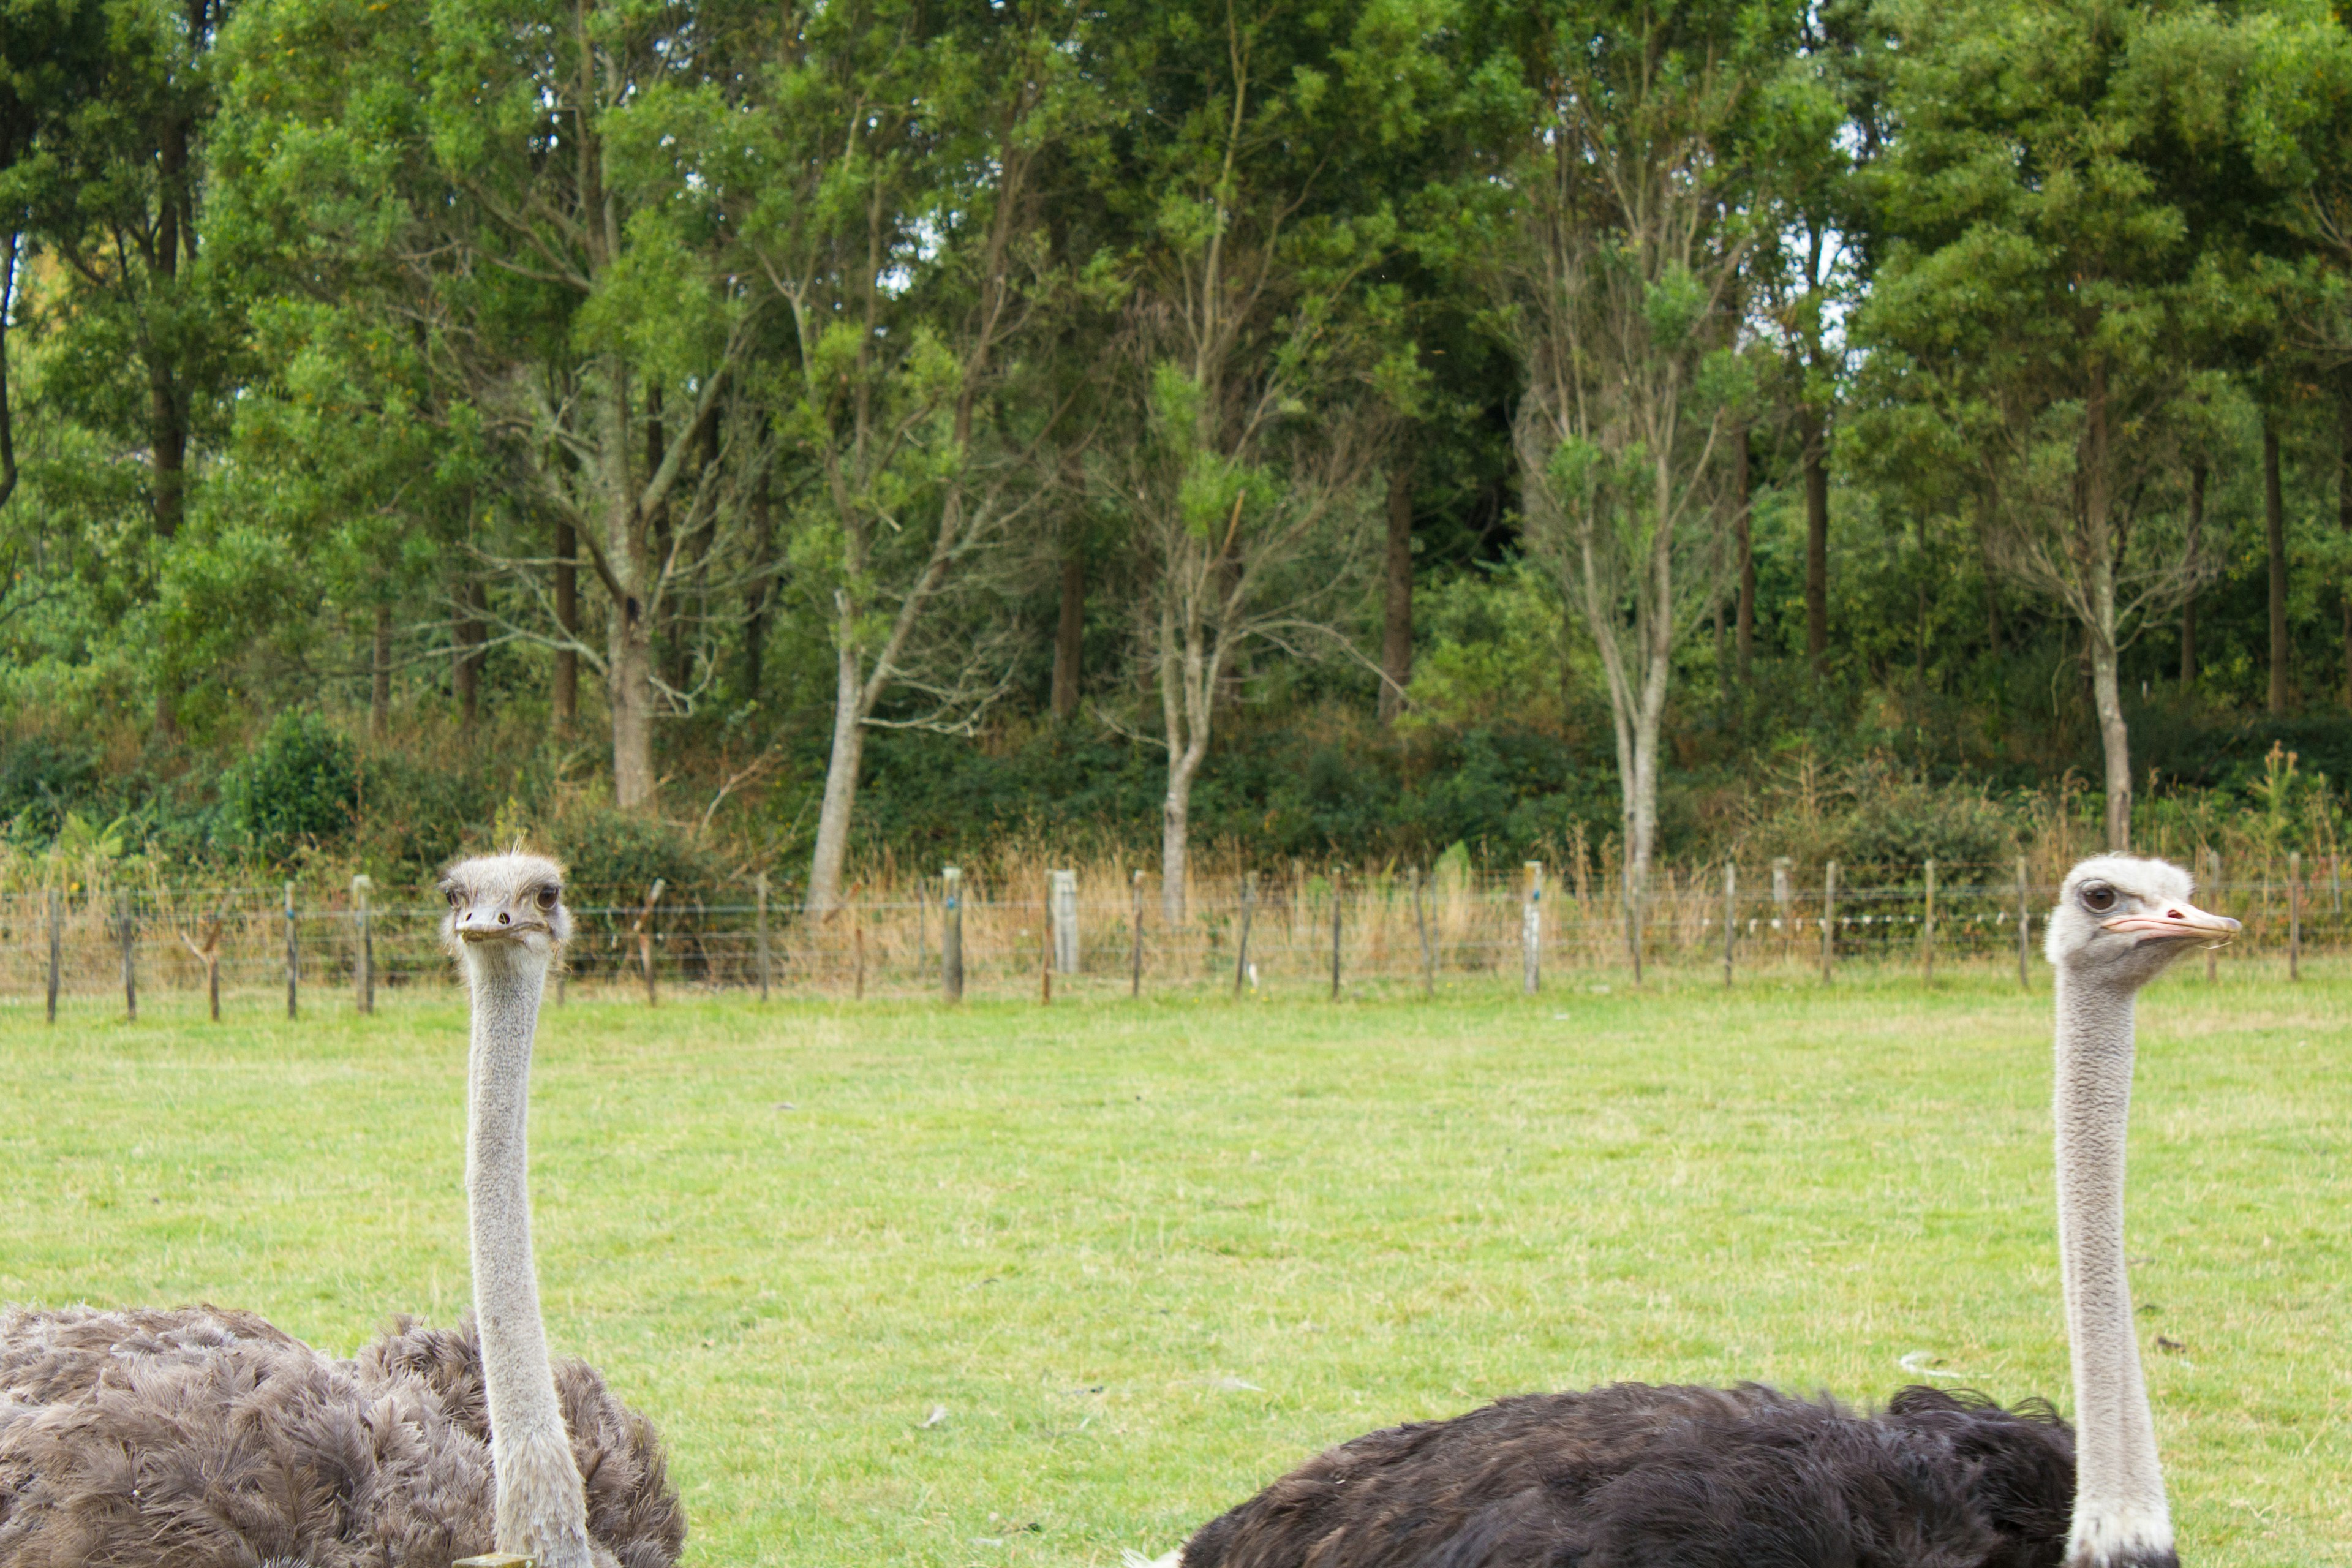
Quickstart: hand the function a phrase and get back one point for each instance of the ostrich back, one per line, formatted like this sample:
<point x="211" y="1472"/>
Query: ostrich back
<point x="1633" y="1475"/>
<point x="205" y="1439"/>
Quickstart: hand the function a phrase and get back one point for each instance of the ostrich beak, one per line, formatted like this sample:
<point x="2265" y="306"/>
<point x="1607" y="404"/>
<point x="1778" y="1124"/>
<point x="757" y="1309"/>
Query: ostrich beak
<point x="494" y="925"/>
<point x="2175" y="922"/>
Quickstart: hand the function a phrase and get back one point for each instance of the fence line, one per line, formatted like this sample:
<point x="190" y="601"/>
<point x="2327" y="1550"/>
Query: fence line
<point x="1293" y="932"/>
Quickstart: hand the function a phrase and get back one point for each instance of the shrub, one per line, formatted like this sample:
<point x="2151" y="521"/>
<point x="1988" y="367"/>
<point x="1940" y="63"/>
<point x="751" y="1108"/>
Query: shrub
<point x="40" y="781"/>
<point x="297" y="789"/>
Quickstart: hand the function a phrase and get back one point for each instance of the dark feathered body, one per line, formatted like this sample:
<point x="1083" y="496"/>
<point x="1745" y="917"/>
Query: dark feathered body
<point x="204" y="1438"/>
<point x="1673" y="1478"/>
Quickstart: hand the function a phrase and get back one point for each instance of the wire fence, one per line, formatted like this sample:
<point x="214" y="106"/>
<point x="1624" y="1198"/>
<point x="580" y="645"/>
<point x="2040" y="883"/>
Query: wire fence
<point x="1293" y="932"/>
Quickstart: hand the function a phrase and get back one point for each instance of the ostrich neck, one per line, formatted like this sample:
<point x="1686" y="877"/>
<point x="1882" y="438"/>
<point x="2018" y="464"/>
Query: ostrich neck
<point x="541" y="1511"/>
<point x="2120" y="1516"/>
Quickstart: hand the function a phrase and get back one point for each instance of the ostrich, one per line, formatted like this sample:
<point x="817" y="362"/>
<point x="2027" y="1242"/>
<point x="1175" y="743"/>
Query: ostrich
<point x="202" y="1438"/>
<point x="1704" y="1478"/>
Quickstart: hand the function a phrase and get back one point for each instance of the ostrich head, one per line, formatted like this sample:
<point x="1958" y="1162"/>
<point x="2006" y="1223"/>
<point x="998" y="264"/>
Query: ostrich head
<point x="2122" y="919"/>
<point x="507" y="904"/>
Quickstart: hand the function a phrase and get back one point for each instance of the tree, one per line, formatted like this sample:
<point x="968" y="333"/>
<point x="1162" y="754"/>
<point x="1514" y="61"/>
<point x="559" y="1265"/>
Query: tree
<point x="103" y="122"/>
<point x="2062" y="293"/>
<point x="1262" y="365"/>
<point x="1622" y="305"/>
<point x="534" y="189"/>
<point x="897" y="227"/>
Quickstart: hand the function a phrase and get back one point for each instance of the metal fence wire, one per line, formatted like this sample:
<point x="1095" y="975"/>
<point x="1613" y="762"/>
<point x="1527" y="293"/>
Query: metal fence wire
<point x="1287" y="932"/>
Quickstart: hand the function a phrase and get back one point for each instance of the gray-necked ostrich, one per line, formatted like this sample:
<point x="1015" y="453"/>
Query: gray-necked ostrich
<point x="1740" y="1477"/>
<point x="201" y="1438"/>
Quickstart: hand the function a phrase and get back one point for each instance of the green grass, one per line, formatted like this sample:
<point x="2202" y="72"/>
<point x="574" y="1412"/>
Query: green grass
<point x="1146" y="1256"/>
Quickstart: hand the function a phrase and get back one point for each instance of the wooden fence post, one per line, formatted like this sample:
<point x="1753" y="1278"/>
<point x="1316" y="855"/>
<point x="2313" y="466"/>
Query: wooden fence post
<point x="364" y="972"/>
<point x="951" y="932"/>
<point x="857" y="951"/>
<point x="1784" y="902"/>
<point x="1337" y="874"/>
<point x="1730" y="914"/>
<point x="1927" y="931"/>
<point x="1421" y="924"/>
<point x="2024" y="931"/>
<point x="2295" y="914"/>
<point x="57" y="944"/>
<point x="1531" y="928"/>
<point x="1241" y="947"/>
<point x="1066" y="920"/>
<point x="759" y="884"/>
<point x="1134" y="956"/>
<point x="1829" y="920"/>
<point x="129" y="937"/>
<point x="644" y="932"/>
<point x="293" y="953"/>
<point x="2212" y="889"/>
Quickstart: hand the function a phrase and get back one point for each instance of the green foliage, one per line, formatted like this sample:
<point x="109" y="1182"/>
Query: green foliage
<point x="42" y="779"/>
<point x="296" y="790"/>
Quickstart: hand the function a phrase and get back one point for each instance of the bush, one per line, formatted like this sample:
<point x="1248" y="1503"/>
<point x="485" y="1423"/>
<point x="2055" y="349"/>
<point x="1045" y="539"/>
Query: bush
<point x="610" y="859"/>
<point x="40" y="781"/>
<point x="298" y="789"/>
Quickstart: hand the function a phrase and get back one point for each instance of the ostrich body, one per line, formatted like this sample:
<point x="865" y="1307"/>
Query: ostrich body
<point x="202" y="1438"/>
<point x="1751" y="1478"/>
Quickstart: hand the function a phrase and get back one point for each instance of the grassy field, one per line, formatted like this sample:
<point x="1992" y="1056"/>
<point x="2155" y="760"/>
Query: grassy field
<point x="1145" y="1257"/>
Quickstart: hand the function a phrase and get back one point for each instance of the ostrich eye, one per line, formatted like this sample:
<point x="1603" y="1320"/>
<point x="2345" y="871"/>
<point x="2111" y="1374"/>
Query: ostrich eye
<point x="547" y="901"/>
<point x="451" y="893"/>
<point x="2098" y="898"/>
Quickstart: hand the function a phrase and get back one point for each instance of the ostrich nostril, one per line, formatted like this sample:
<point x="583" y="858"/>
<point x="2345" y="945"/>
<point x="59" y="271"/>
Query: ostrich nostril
<point x="2174" y="915"/>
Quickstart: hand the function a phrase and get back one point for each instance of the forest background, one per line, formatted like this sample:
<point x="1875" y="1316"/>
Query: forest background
<point x="811" y="438"/>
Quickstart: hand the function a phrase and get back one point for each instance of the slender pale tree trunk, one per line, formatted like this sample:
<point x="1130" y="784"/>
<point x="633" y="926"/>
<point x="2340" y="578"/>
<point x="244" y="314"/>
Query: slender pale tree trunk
<point x="1188" y="682"/>
<point x="1814" y="454"/>
<point x="841" y="768"/>
<point x="2274" y="534"/>
<point x="628" y="630"/>
<point x="2115" y="740"/>
<point x="2096" y="550"/>
<point x="1396" y="608"/>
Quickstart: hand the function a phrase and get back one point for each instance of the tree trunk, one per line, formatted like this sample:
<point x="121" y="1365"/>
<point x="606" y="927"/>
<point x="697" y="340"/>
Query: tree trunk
<point x="763" y="587"/>
<point x="628" y="631"/>
<point x="2274" y="533"/>
<point x="1069" y="635"/>
<point x="832" y="853"/>
<point x="2114" y="741"/>
<point x="9" y="255"/>
<point x="380" y="683"/>
<point x="2343" y="522"/>
<point x="1743" y="517"/>
<point x="1815" y="463"/>
<point x="1396" y="620"/>
<point x="566" y="693"/>
<point x="465" y="653"/>
<point x="1175" y="815"/>
<point x="2188" y="600"/>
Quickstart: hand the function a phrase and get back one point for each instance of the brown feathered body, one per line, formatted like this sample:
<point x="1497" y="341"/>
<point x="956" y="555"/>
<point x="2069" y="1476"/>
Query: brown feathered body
<point x="1632" y="1476"/>
<point x="201" y="1438"/>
